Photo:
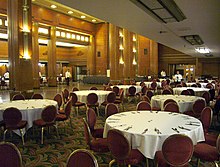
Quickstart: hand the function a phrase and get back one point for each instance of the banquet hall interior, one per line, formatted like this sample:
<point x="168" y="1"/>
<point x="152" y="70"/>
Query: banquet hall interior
<point x="146" y="71"/>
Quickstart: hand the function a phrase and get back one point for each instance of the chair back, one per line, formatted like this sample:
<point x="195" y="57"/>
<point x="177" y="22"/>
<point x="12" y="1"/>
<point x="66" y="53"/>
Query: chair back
<point x="198" y="106"/>
<point x="194" y="85"/>
<point x="10" y="155"/>
<point x="143" y="105"/>
<point x="91" y="118"/>
<point x="132" y="90"/>
<point x="172" y="107"/>
<point x="218" y="144"/>
<point x="185" y="92"/>
<point x="206" y="118"/>
<point x="209" y="86"/>
<point x="93" y="88"/>
<point x="166" y="92"/>
<point x="198" y="85"/>
<point x="74" y="98"/>
<point x="144" y="89"/>
<point x="92" y="98"/>
<point x="192" y="92"/>
<point x="167" y="101"/>
<point x="65" y="94"/>
<point x="149" y="94"/>
<point x="121" y="94"/>
<point x="82" y="158"/>
<point x="183" y="84"/>
<point x="116" y="90"/>
<point x="49" y="113"/>
<point x="145" y="98"/>
<point x="37" y="96"/>
<point x="111" y="109"/>
<point x="12" y="116"/>
<point x="75" y="89"/>
<point x="180" y="156"/>
<point x="87" y="133"/>
<point x="153" y="85"/>
<point x="216" y="107"/>
<point x="206" y="96"/>
<point x="68" y="108"/>
<point x="111" y="97"/>
<point x="179" y="86"/>
<point x="18" y="97"/>
<point x="118" y="145"/>
<point x="58" y="99"/>
<point x="212" y="93"/>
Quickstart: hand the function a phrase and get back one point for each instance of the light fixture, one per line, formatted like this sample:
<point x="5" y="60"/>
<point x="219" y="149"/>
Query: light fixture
<point x="134" y="61"/>
<point x="43" y="30"/>
<point x="65" y="44"/>
<point x="53" y="6"/>
<point x="121" y="61"/>
<point x="193" y="39"/>
<point x="202" y="50"/>
<point x="0" y="22"/>
<point x="3" y="36"/>
<point x="93" y="20"/>
<point x="83" y="17"/>
<point x="70" y="12"/>
<point x="163" y="10"/>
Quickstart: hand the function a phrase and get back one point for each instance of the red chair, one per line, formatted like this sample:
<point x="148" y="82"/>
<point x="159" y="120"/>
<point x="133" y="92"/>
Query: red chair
<point x="206" y="119"/>
<point x="58" y="99"/>
<point x="206" y="152"/>
<point x="12" y="118"/>
<point x="111" y="109"/>
<point x="166" y="92"/>
<point x="172" y="107"/>
<point x="75" y="103"/>
<point x="167" y="101"/>
<point x="48" y="117"/>
<point x="93" y="88"/>
<point x="149" y="94"/>
<point x="120" y="100"/>
<point x="142" y="92"/>
<point x="10" y="155"/>
<point x="143" y="105"/>
<point x="18" y="97"/>
<point x="145" y="98"/>
<point x="111" y="97"/>
<point x="92" y="102"/>
<point x="37" y="96"/>
<point x="185" y="92"/>
<point x="192" y="92"/>
<point x="198" y="106"/>
<point x="207" y="97"/>
<point x="65" y="94"/>
<point x="153" y="86"/>
<point x="121" y="149"/>
<point x="131" y="92"/>
<point x="82" y="158"/>
<point x="91" y="120"/>
<point x="116" y="90"/>
<point x="66" y="115"/>
<point x="177" y="150"/>
<point x="75" y="89"/>
<point x="94" y="144"/>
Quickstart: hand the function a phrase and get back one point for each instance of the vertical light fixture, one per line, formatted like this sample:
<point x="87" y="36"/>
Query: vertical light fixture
<point x="25" y="29"/>
<point x="134" y="62"/>
<point x="121" y="48"/>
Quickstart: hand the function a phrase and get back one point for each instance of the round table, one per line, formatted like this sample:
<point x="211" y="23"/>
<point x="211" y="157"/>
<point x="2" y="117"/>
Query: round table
<point x="126" y="87"/>
<point x="184" y="102"/>
<point x="148" y="84"/>
<point x="147" y="130"/>
<point x="82" y="95"/>
<point x="30" y="109"/>
<point x="198" y="91"/>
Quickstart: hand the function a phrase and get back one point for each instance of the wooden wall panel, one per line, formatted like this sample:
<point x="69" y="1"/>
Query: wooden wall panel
<point x="3" y="50"/>
<point x="3" y="6"/>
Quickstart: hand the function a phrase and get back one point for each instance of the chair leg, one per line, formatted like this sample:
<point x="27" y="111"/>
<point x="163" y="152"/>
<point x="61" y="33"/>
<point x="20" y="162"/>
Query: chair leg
<point x="5" y="134"/>
<point x="57" y="131"/>
<point x="42" y="135"/>
<point x="198" y="162"/>
<point x="111" y="162"/>
<point x="216" y="164"/>
<point x="22" y="136"/>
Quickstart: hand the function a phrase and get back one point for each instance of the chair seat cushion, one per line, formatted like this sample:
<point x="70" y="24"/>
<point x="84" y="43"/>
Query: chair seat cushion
<point x="98" y="133"/>
<point x="40" y="122"/>
<point x="211" y="139"/>
<point x="206" y="152"/>
<point x="99" y="145"/>
<point x="61" y="117"/>
<point x="93" y="105"/>
<point x="135" y="157"/>
<point x="61" y="111"/>
<point x="78" y="104"/>
<point x="191" y="113"/>
<point x="20" y="125"/>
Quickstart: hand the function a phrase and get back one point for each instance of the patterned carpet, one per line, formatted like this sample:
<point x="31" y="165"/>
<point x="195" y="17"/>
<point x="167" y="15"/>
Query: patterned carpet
<point x="54" y="152"/>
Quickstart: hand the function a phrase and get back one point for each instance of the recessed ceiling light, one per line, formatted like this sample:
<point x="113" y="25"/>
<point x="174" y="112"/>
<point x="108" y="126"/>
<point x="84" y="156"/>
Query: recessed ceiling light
<point x="83" y="17"/>
<point x="53" y="6"/>
<point x="70" y="12"/>
<point x="93" y="20"/>
<point x="202" y="50"/>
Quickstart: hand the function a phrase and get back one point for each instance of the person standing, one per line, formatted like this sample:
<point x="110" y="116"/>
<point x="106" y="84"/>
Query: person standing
<point x="68" y="76"/>
<point x="178" y="77"/>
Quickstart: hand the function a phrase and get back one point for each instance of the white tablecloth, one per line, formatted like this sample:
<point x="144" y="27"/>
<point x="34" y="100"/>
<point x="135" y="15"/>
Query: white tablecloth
<point x="126" y="87"/>
<point x="203" y="85"/>
<point x="133" y="124"/>
<point x="184" y="102"/>
<point x="198" y="91"/>
<point x="82" y="95"/>
<point x="148" y="84"/>
<point x="30" y="109"/>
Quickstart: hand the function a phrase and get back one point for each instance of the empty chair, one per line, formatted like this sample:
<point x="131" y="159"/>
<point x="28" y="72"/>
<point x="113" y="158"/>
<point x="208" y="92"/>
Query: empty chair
<point x="167" y="101"/>
<point x="116" y="90"/>
<point x="111" y="97"/>
<point x="94" y="144"/>
<point x="206" y="96"/>
<point x="212" y="94"/>
<point x="209" y="86"/>
<point x="192" y="92"/>
<point x="198" y="106"/>
<point x="91" y="120"/>
<point x="75" y="89"/>
<point x="92" y="102"/>
<point x="93" y="88"/>
<point x="149" y="94"/>
<point x="18" y="97"/>
<point x="183" y="84"/>
<point x="121" y="149"/>
<point x="111" y="109"/>
<point x="131" y="92"/>
<point x="206" y="152"/>
<point x="65" y="94"/>
<point x="194" y="85"/>
<point x="120" y="99"/>
<point x="143" y="91"/>
<point x="185" y="92"/>
<point x="179" y="85"/>
<point x="166" y="92"/>
<point x="177" y="150"/>
<point x="37" y="96"/>
<point x="172" y="107"/>
<point x="12" y="118"/>
<point x="58" y="99"/>
<point x="145" y="98"/>
<point x="82" y="158"/>
<point x="143" y="105"/>
<point x="198" y="85"/>
<point x="10" y="155"/>
<point x="75" y="103"/>
<point x="48" y="117"/>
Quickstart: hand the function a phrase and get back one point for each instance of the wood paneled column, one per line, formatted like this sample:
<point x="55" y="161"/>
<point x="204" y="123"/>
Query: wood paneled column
<point x="114" y="53"/>
<point x="91" y="60"/>
<point x="52" y="70"/>
<point x="153" y="59"/>
<point x="35" y="55"/>
<point x="20" y="44"/>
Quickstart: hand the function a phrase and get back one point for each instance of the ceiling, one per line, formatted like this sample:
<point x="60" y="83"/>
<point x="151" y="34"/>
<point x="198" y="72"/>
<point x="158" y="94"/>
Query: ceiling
<point x="202" y="18"/>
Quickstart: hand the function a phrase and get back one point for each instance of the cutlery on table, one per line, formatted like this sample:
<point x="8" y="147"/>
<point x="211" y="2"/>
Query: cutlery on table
<point x="175" y="129"/>
<point x="128" y="128"/>
<point x="157" y="130"/>
<point x="192" y="124"/>
<point x="181" y="127"/>
<point x="145" y="130"/>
